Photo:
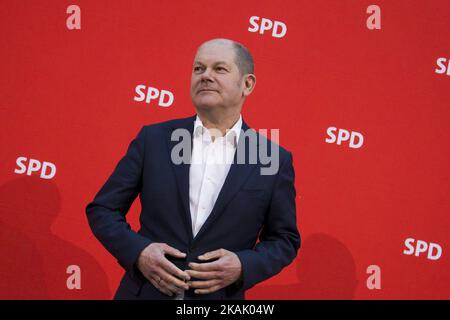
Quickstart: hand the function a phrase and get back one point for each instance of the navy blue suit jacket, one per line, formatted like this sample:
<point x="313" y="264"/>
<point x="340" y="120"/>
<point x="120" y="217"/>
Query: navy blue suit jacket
<point x="254" y="215"/>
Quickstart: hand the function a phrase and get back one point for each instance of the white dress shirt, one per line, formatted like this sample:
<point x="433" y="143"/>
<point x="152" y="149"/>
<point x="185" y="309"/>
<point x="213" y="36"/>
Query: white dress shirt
<point x="210" y="164"/>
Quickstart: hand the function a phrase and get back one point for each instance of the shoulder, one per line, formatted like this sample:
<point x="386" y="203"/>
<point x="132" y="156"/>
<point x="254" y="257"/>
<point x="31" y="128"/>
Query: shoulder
<point x="269" y="145"/>
<point x="283" y="154"/>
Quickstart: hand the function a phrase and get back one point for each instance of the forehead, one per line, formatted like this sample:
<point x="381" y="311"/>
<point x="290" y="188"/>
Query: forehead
<point x="214" y="53"/>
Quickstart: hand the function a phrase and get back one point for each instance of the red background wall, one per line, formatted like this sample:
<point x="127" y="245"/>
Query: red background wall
<point x="66" y="97"/>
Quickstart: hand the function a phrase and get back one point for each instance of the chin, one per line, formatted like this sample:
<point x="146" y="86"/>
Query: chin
<point x="205" y="104"/>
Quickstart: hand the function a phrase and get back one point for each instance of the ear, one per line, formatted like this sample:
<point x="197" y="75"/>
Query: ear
<point x="249" y="84"/>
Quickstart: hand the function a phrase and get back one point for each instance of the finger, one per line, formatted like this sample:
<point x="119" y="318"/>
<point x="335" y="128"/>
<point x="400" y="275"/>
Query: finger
<point x="206" y="291"/>
<point x="162" y="289"/>
<point x="204" y="284"/>
<point x="205" y="275"/>
<point x="173" y="252"/>
<point x="210" y="266"/>
<point x="212" y="254"/>
<point x="170" y="287"/>
<point x="173" y="269"/>
<point x="167" y="277"/>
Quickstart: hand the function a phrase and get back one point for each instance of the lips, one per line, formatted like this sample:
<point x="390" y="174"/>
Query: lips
<point x="201" y="90"/>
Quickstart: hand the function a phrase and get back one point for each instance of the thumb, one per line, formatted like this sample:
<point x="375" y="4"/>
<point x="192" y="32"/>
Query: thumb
<point x="173" y="252"/>
<point x="212" y="254"/>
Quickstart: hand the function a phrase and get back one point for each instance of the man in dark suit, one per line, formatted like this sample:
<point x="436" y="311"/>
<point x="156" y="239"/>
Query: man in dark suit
<point x="212" y="225"/>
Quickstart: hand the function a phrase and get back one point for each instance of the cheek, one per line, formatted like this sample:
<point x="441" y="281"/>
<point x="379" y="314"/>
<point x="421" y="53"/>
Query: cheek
<point x="193" y="85"/>
<point x="232" y="91"/>
<point x="193" y="81"/>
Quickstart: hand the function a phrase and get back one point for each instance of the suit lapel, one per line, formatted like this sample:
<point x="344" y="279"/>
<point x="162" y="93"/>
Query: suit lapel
<point x="236" y="177"/>
<point x="182" y="172"/>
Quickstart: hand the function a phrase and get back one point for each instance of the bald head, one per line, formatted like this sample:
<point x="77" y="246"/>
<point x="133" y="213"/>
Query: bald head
<point x="242" y="58"/>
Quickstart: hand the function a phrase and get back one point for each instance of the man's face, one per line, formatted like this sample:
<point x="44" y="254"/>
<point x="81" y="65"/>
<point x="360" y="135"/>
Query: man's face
<point x="216" y="81"/>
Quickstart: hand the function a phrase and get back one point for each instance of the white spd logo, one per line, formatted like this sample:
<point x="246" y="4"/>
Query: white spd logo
<point x="355" y="139"/>
<point x="165" y="97"/>
<point x="433" y="250"/>
<point x="34" y="165"/>
<point x="279" y="28"/>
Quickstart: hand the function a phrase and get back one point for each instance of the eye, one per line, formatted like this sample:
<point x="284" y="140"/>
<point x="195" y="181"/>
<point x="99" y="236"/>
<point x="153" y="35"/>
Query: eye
<point x="197" y="68"/>
<point x="221" y="69"/>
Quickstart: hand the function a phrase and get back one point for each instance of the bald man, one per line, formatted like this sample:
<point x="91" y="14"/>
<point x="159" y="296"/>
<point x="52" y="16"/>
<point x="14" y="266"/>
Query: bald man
<point x="213" y="222"/>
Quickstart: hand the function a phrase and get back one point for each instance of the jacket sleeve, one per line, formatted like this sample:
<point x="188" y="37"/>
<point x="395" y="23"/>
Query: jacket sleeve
<point x="106" y="213"/>
<point x="280" y="239"/>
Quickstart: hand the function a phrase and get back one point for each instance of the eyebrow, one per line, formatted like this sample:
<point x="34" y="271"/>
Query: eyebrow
<point x="215" y="63"/>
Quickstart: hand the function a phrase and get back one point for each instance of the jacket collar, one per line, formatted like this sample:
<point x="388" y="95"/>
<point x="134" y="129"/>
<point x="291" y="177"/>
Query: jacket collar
<point x="236" y="177"/>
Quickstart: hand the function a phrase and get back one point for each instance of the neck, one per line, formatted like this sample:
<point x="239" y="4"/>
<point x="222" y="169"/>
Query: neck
<point x="220" y="122"/>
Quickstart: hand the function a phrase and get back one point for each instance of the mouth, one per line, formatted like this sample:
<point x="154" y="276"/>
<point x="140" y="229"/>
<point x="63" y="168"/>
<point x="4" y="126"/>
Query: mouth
<point x="206" y="90"/>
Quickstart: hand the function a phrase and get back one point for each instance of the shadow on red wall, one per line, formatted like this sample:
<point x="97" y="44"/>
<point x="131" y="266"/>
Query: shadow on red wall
<point x="325" y="270"/>
<point x="34" y="261"/>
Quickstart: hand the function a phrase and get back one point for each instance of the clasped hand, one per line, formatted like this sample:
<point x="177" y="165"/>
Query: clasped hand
<point x="169" y="279"/>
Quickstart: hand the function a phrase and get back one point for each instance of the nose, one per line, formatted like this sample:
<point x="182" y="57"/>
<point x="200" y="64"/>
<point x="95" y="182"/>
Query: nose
<point x="206" y="75"/>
